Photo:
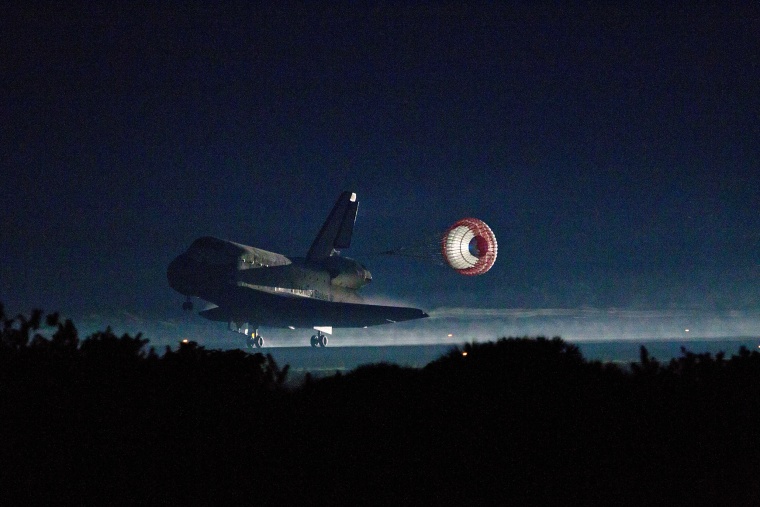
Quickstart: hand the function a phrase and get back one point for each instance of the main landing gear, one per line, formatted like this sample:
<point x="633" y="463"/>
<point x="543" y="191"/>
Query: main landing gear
<point x="254" y="340"/>
<point x="319" y="340"/>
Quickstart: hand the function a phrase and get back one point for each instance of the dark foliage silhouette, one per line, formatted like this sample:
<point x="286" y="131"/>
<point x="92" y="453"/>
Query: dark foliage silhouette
<point x="105" y="419"/>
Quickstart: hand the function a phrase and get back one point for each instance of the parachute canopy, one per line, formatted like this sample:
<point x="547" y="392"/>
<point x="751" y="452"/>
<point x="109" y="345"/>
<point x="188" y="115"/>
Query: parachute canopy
<point x="469" y="246"/>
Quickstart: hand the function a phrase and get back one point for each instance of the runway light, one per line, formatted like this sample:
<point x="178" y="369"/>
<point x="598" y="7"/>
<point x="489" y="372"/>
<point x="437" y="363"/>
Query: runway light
<point x="464" y="353"/>
<point x="185" y="341"/>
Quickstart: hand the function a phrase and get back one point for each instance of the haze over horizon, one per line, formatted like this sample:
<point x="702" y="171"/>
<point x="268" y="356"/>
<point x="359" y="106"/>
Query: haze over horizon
<point x="614" y="151"/>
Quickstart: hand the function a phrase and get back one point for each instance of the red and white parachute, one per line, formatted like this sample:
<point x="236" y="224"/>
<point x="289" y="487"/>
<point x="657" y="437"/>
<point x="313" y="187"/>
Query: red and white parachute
<point x="469" y="246"/>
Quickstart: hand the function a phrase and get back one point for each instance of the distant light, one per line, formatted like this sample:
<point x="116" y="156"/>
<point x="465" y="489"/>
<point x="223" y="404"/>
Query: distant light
<point x="450" y="335"/>
<point x="291" y="327"/>
<point x="185" y="341"/>
<point x="686" y="330"/>
<point x="464" y="353"/>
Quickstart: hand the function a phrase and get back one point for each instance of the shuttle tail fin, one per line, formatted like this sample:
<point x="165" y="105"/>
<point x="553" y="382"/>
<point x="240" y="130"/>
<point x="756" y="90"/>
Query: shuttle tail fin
<point x="337" y="230"/>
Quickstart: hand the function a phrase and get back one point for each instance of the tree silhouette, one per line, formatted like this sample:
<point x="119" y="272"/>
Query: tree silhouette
<point x="106" y="346"/>
<point x="521" y="420"/>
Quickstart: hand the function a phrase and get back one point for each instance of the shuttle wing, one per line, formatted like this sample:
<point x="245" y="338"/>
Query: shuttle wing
<point x="242" y="304"/>
<point x="337" y="230"/>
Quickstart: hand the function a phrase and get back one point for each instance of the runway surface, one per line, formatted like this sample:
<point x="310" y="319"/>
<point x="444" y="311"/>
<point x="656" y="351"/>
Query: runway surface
<point x="329" y="360"/>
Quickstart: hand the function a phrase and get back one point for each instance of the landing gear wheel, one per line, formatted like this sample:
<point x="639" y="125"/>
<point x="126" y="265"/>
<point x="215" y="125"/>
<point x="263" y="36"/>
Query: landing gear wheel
<point x="319" y="340"/>
<point x="255" y="341"/>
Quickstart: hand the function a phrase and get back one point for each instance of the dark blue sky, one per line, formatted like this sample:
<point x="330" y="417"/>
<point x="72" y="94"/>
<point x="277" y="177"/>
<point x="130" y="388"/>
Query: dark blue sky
<point x="614" y="151"/>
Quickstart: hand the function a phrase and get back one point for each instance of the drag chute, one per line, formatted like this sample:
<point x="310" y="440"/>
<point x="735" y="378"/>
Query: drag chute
<point x="469" y="246"/>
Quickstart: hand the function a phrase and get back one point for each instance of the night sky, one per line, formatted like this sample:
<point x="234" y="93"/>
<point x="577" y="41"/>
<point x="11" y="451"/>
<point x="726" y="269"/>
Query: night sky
<point x="614" y="151"/>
